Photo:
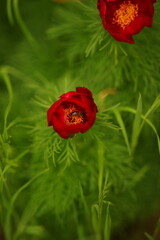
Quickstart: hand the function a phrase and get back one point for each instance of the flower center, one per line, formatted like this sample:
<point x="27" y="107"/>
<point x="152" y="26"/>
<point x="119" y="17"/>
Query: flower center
<point x="74" y="116"/>
<point x="125" y="14"/>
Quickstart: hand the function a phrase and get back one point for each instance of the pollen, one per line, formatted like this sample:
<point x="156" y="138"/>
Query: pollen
<point x="125" y="14"/>
<point x="73" y="116"/>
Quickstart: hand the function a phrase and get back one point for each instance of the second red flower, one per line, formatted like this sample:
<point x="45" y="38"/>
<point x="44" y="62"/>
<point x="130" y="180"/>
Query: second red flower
<point x="124" y="18"/>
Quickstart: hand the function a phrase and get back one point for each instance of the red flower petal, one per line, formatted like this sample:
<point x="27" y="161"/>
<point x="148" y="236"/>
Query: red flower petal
<point x="84" y="90"/>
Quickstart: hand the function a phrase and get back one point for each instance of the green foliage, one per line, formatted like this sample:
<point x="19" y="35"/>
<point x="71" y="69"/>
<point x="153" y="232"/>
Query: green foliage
<point x="90" y="186"/>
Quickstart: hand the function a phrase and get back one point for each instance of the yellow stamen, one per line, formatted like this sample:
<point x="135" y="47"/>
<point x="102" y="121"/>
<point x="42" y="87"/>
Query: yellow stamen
<point x="125" y="14"/>
<point x="73" y="116"/>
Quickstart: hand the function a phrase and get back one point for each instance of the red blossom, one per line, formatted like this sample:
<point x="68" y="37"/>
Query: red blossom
<point x="74" y="112"/>
<point x="124" y="18"/>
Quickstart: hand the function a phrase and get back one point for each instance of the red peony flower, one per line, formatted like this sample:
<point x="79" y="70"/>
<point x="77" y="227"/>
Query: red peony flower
<point x="124" y="18"/>
<point x="74" y="112"/>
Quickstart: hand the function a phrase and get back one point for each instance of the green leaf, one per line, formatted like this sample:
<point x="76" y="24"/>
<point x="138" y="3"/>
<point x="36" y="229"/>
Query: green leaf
<point x="107" y="226"/>
<point x="95" y="211"/>
<point x="131" y="110"/>
<point x="8" y="226"/>
<point x="154" y="106"/>
<point x="136" y="124"/>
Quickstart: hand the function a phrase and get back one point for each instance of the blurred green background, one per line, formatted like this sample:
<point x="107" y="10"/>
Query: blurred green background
<point x="101" y="185"/>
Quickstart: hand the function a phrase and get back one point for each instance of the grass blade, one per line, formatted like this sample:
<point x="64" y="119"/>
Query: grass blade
<point x="123" y="129"/>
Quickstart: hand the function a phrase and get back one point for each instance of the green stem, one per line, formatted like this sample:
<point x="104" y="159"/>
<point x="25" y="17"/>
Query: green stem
<point x="9" y="11"/>
<point x="23" y="27"/>
<point x="100" y="187"/>
<point x="8" y="108"/>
